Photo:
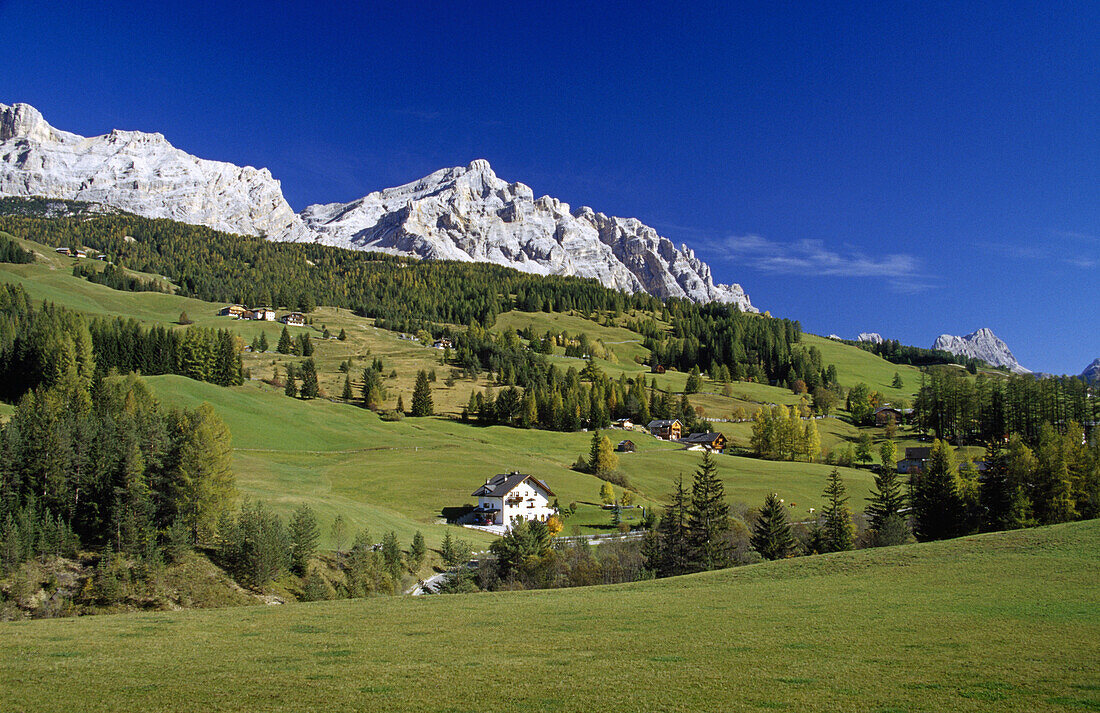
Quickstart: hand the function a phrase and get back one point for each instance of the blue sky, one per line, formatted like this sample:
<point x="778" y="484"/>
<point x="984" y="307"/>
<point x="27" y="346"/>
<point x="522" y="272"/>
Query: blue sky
<point x="906" y="168"/>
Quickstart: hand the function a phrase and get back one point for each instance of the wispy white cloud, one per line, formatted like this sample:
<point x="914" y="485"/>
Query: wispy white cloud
<point x="814" y="258"/>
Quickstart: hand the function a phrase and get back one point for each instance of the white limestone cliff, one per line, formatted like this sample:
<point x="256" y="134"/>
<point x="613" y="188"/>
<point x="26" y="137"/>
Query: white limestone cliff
<point x="468" y="213"/>
<point x="982" y="344"/>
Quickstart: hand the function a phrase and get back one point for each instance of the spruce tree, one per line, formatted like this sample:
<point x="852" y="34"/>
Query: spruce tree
<point x="771" y="535"/>
<point x="418" y="551"/>
<point x="938" y="509"/>
<point x="304" y="534"/>
<point x="310" y="389"/>
<point x="708" y="518"/>
<point x="343" y="336"/>
<point x="422" y="396"/>
<point x="284" y="342"/>
<point x="884" y="511"/>
<point x="291" y="388"/>
<point x="263" y="341"/>
<point x="347" y="395"/>
<point x="674" y="554"/>
<point x="839" y="533"/>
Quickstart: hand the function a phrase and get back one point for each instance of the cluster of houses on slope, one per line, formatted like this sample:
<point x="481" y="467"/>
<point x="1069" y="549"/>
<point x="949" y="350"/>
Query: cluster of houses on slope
<point x="509" y="497"/>
<point x="917" y="457"/>
<point x="262" y="314"/>
<point x="672" y="430"/>
<point x="79" y="253"/>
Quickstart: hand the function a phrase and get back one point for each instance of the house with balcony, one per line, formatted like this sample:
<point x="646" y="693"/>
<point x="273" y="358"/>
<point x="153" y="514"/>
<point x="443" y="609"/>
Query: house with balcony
<point x="510" y="497"/>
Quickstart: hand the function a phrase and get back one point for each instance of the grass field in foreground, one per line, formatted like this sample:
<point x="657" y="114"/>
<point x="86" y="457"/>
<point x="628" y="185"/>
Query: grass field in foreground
<point x="999" y="622"/>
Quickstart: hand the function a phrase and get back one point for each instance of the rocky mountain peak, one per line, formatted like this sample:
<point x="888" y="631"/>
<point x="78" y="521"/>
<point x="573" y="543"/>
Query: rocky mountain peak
<point x="141" y="173"/>
<point x="872" y="337"/>
<point x="981" y="344"/>
<point x="461" y="213"/>
<point x="23" y="121"/>
<point x="470" y="214"/>
<point x="1092" y="371"/>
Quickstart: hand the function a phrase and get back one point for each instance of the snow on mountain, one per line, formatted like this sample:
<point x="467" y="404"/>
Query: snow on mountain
<point x="140" y="173"/>
<point x="872" y="337"/>
<point x="469" y="214"/>
<point x="1092" y="371"/>
<point x="982" y="344"/>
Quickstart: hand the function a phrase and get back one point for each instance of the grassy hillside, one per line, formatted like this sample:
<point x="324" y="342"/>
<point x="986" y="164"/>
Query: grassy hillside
<point x="400" y="476"/>
<point x="1000" y="622"/>
<point x="342" y="459"/>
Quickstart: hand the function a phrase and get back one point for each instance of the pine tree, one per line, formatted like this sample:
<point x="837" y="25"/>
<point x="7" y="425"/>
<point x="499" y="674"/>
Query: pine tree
<point x="263" y="342"/>
<point x="673" y="552"/>
<point x="391" y="555"/>
<point x="771" y="536"/>
<point x="347" y="394"/>
<point x="203" y="484"/>
<point x="594" y="451"/>
<point x="708" y="518"/>
<point x="304" y="534"/>
<point x="417" y="552"/>
<point x="897" y="382"/>
<point x="886" y="501"/>
<point x="938" y="508"/>
<point x="839" y="532"/>
<point x="284" y="342"/>
<point x="694" y="382"/>
<point x="343" y="336"/>
<point x="184" y="319"/>
<point x="400" y="407"/>
<point x="310" y="388"/>
<point x="291" y="388"/>
<point x="422" y="396"/>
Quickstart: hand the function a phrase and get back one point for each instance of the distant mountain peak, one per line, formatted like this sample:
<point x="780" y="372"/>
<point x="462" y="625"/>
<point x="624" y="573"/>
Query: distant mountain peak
<point x="461" y="213"/>
<point x="1092" y="371"/>
<point x="981" y="344"/>
<point x="140" y="173"/>
<point x="468" y="213"/>
<point x="872" y="337"/>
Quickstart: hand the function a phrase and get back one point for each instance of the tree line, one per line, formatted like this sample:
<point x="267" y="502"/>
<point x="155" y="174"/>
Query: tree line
<point x="38" y="344"/>
<point x="985" y="409"/>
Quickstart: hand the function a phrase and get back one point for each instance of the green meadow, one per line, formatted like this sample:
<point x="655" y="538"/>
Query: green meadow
<point x="999" y="622"/>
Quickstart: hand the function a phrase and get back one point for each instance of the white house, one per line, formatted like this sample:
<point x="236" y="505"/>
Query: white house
<point x="509" y="497"/>
<point x="263" y="314"/>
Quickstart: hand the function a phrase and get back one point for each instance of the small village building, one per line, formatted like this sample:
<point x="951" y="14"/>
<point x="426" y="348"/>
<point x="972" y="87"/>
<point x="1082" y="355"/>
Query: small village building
<point x="625" y="447"/>
<point x="263" y="314"/>
<point x="710" y="441"/>
<point x="658" y="369"/>
<point x="236" y="311"/>
<point x="509" y="497"/>
<point x="62" y="251"/>
<point x="915" y="459"/>
<point x="883" y="414"/>
<point x="81" y="253"/>
<point x="668" y="430"/>
<point x="442" y="344"/>
<point x="625" y="423"/>
<point x="294" y="319"/>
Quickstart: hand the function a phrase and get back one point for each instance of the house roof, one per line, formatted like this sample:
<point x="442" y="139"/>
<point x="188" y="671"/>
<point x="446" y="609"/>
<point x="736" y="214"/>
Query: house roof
<point x="880" y="409"/>
<point x="500" y="485"/>
<point x="709" y="437"/>
<point x="663" y="423"/>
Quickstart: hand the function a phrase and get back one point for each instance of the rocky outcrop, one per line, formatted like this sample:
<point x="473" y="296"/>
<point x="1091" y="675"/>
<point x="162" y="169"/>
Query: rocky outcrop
<point x="1092" y="371"/>
<point x="140" y="173"/>
<point x="982" y="344"/>
<point x="468" y="213"/>
<point x="872" y="337"/>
